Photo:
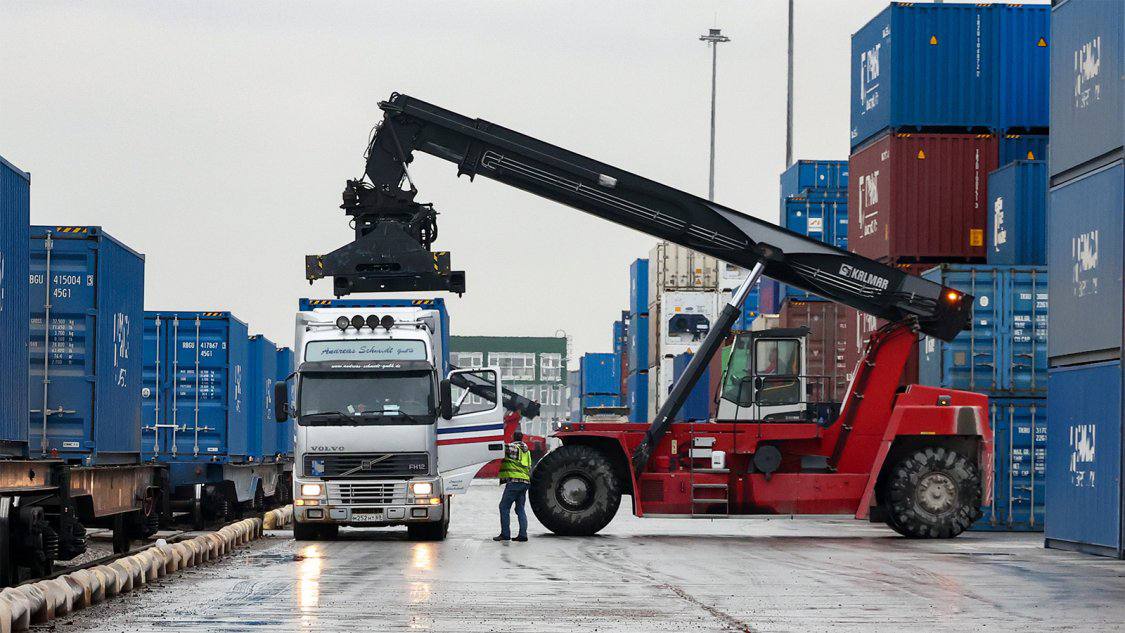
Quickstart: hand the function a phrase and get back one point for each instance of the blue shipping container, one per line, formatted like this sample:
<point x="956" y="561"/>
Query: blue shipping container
<point x="637" y="396"/>
<point x="84" y="345"/>
<point x="1087" y="95"/>
<point x="1004" y="352"/>
<point x="1019" y="427"/>
<point x="749" y="307"/>
<point x="1022" y="147"/>
<point x="814" y="174"/>
<point x="637" y="344"/>
<point x="1084" y="487"/>
<point x="697" y="405"/>
<point x="600" y="374"/>
<point x="638" y="287"/>
<point x="1085" y="239"/>
<point x="284" y="437"/>
<point x="1017" y="214"/>
<point x="261" y="371"/>
<point x="595" y="400"/>
<point x="823" y="218"/>
<point x="950" y="66"/>
<point x="15" y="224"/>
<point x="195" y="395"/>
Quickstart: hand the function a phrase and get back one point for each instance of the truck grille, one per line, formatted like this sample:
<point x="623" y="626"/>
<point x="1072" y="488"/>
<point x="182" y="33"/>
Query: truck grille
<point x="369" y="465"/>
<point x="364" y="493"/>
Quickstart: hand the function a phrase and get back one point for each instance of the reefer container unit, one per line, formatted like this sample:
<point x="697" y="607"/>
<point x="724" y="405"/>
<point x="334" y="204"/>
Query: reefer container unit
<point x="673" y="267"/>
<point x="1084" y="485"/>
<point x="599" y="374"/>
<point x="678" y="323"/>
<point x="87" y="315"/>
<point x="284" y="437"/>
<point x="1004" y="351"/>
<point x="950" y="66"/>
<point x="15" y="224"/>
<point x="1087" y="92"/>
<point x="261" y="371"/>
<point x="824" y="346"/>
<point x="814" y="174"/>
<point x="638" y="287"/>
<point x="1021" y="147"/>
<point x="1019" y="427"/>
<point x="195" y="393"/>
<point x="697" y="406"/>
<point x="921" y="197"/>
<point x="1086" y="237"/>
<point x="1017" y="214"/>
<point x="637" y="344"/>
<point x="636" y="398"/>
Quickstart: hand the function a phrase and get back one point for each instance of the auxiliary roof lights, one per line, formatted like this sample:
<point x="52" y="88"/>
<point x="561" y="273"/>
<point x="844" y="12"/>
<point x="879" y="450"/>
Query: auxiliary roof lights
<point x="373" y="321"/>
<point x="387" y="322"/>
<point x="342" y="322"/>
<point x="357" y="322"/>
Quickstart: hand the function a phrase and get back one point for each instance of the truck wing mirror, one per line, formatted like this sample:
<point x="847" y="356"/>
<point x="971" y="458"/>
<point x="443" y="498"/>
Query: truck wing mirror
<point x="280" y="401"/>
<point x="445" y="403"/>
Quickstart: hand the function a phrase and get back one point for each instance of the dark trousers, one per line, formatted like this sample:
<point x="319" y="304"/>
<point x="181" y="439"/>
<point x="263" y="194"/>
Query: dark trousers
<point x="515" y="492"/>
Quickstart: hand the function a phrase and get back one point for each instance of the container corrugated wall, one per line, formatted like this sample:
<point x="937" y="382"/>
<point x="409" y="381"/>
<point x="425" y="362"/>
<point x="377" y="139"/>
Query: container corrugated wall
<point x="638" y="287"/>
<point x="599" y="374"/>
<point x="15" y="222"/>
<point x="825" y="344"/>
<point x="1023" y="58"/>
<point x="261" y="371"/>
<point x="1017" y="214"/>
<point x="284" y="436"/>
<point x="637" y="344"/>
<point x="814" y="174"/>
<point x="921" y="197"/>
<point x="1022" y="147"/>
<point x="195" y="401"/>
<point x="697" y="405"/>
<point x="1019" y="427"/>
<point x="637" y="396"/>
<point x="85" y="367"/>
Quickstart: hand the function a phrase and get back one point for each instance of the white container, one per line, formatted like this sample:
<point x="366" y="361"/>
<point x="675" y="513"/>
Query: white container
<point x="731" y="276"/>
<point x="685" y="318"/>
<point x="673" y="267"/>
<point x="653" y="390"/>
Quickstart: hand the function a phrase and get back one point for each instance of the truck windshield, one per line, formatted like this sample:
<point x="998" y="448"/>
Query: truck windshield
<point x="334" y="398"/>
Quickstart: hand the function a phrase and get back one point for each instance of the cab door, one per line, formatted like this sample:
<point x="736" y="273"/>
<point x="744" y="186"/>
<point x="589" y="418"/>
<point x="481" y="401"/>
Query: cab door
<point x="474" y="434"/>
<point x="778" y="378"/>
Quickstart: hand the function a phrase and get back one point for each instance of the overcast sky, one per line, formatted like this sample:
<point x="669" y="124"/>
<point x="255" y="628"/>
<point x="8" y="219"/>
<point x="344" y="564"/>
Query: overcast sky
<point x="215" y="137"/>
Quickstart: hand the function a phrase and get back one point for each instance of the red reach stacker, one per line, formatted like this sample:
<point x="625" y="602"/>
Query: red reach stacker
<point x="918" y="458"/>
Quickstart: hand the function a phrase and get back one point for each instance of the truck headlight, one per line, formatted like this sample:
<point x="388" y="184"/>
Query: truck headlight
<point x="421" y="489"/>
<point x="311" y="490"/>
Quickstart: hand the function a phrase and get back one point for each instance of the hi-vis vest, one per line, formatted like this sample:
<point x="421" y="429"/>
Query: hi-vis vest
<point x="517" y="462"/>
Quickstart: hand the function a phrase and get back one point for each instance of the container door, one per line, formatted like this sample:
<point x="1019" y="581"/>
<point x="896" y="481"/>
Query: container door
<point x="474" y="435"/>
<point x="1025" y="357"/>
<point x="156" y="431"/>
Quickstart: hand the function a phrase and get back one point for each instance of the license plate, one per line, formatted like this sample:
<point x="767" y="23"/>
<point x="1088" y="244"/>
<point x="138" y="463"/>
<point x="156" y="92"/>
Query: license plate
<point x="367" y="517"/>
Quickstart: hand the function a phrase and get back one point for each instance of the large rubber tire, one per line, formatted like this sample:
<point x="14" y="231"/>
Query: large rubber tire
<point x="575" y="490"/>
<point x="314" y="531"/>
<point x="932" y="493"/>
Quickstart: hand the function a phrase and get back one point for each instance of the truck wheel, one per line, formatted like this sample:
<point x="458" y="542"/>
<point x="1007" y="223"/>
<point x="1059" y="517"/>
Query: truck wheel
<point x="932" y="493"/>
<point x="574" y="491"/>
<point x="309" y="531"/>
<point x="432" y="531"/>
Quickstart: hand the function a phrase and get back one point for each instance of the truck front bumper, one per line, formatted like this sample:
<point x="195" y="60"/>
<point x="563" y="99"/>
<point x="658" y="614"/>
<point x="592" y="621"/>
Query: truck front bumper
<point x="368" y="503"/>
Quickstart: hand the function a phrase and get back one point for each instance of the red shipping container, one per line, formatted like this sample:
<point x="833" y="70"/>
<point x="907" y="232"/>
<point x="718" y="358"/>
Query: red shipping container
<point x="824" y="347"/>
<point x="920" y="197"/>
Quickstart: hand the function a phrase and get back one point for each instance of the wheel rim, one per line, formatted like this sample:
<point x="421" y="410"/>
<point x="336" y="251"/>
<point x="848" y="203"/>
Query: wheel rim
<point x="936" y="493"/>
<point x="575" y="492"/>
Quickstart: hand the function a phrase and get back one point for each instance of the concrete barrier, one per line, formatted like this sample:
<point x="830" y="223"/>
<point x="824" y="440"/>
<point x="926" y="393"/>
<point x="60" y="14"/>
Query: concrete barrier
<point x="17" y="610"/>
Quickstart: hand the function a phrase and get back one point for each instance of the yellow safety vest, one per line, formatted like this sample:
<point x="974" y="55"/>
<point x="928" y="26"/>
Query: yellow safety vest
<point x="517" y="463"/>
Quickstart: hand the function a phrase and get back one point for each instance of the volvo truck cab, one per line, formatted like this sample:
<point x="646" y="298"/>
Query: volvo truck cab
<point x="385" y="433"/>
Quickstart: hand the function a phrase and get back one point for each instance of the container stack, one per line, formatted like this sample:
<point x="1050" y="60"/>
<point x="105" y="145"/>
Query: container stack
<point x="620" y="351"/>
<point x="599" y="381"/>
<point x="636" y="344"/>
<point x="1085" y="237"/>
<point x="814" y="203"/>
<point x="15" y="223"/>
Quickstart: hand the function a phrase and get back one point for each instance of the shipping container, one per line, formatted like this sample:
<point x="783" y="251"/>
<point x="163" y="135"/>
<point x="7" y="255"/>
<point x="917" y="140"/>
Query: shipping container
<point x="673" y="267"/>
<point x="653" y="392"/>
<point x="697" y="406"/>
<point x="15" y="224"/>
<point x="1019" y="427"/>
<point x="284" y="437"/>
<point x="620" y="347"/>
<point x="1086" y="237"/>
<point x="1021" y="147"/>
<point x="261" y="371"/>
<point x="950" y="67"/>
<point x="679" y="321"/>
<point x="638" y="287"/>
<point x="814" y="174"/>
<point x="769" y="296"/>
<point x="1017" y="214"/>
<point x="637" y="345"/>
<point x="599" y="374"/>
<point x="823" y="218"/>
<point x="921" y="197"/>
<point x="87" y="315"/>
<point x="597" y="400"/>
<point x="1084" y="486"/>
<point x="825" y="345"/>
<point x="637" y="396"/>
<point x="1004" y="351"/>
<point x="195" y="395"/>
<point x="1087" y="96"/>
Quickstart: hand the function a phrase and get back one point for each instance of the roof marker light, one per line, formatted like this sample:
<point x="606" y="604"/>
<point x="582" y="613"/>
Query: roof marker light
<point x="373" y="321"/>
<point x="387" y="322"/>
<point x="342" y="322"/>
<point x="357" y="322"/>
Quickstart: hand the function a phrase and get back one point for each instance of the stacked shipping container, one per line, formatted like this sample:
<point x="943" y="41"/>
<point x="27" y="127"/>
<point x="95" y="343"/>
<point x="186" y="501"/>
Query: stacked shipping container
<point x="814" y="203"/>
<point x="600" y="381"/>
<point x="15" y="222"/>
<point x="1086" y="238"/>
<point x="637" y="343"/>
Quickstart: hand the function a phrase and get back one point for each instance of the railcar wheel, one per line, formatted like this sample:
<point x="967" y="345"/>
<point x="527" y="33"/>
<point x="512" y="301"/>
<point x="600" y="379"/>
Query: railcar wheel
<point x="575" y="491"/>
<point x="932" y="493"/>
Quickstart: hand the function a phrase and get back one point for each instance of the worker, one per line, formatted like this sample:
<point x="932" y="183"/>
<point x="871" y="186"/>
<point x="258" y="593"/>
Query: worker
<point x="515" y="476"/>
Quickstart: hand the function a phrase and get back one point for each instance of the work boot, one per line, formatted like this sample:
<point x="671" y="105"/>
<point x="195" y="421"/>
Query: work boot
<point x="503" y="538"/>
<point x="521" y="539"/>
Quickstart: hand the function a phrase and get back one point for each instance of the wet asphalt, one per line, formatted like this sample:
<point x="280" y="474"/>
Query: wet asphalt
<point x="639" y="575"/>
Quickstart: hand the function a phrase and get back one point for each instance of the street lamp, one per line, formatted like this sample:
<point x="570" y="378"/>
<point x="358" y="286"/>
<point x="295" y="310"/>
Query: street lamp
<point x="714" y="37"/>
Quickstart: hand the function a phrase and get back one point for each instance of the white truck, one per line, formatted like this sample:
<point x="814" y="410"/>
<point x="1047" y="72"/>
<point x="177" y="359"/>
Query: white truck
<point x="385" y="432"/>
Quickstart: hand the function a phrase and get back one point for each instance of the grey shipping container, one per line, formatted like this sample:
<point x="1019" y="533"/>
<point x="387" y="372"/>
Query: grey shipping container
<point x="15" y="193"/>
<point x="673" y="267"/>
<point x="87" y="320"/>
<point x="1087" y="96"/>
<point x="1085" y="238"/>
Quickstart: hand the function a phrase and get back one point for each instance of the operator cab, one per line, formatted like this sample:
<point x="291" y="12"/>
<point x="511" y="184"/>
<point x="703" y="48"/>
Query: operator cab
<point x="765" y="379"/>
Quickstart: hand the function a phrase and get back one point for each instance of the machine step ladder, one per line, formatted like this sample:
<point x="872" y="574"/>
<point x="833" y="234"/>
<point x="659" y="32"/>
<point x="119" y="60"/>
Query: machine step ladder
<point x="704" y="496"/>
